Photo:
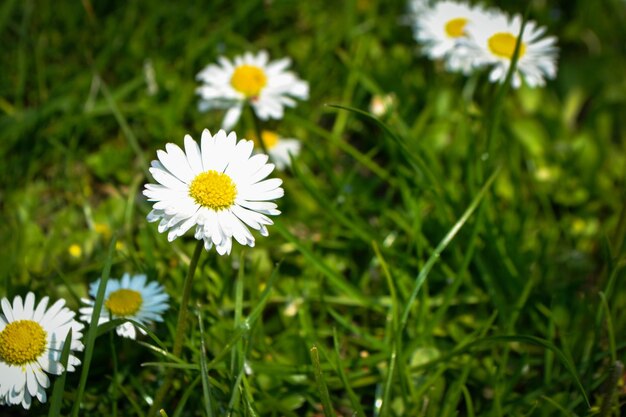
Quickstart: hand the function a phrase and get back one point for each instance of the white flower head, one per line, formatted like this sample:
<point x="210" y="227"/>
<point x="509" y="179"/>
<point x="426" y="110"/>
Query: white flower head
<point x="218" y="186"/>
<point x="267" y="86"/>
<point x="131" y="297"/>
<point x="31" y="341"/>
<point x="492" y="40"/>
<point x="442" y="29"/>
<point x="279" y="149"/>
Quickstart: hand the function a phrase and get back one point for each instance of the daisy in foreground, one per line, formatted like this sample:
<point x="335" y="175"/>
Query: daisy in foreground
<point x="442" y="27"/>
<point x="129" y="298"/>
<point x="492" y="40"/>
<point x="31" y="341"/>
<point x="279" y="148"/>
<point x="266" y="86"/>
<point x="216" y="186"/>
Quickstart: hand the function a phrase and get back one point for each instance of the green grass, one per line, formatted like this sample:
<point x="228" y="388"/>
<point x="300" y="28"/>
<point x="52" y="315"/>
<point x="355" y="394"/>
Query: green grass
<point x="401" y="279"/>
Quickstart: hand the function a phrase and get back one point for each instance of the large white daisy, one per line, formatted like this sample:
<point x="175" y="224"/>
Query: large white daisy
<point x="216" y="186"/>
<point x="31" y="342"/>
<point x="441" y="28"/>
<point x="266" y="86"/>
<point x="492" y="40"/>
<point x="129" y="298"/>
<point x="280" y="149"/>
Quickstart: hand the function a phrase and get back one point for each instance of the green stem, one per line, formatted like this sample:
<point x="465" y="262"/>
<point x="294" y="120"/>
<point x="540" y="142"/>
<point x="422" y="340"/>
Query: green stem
<point x="115" y="368"/>
<point x="258" y="130"/>
<point x="181" y="327"/>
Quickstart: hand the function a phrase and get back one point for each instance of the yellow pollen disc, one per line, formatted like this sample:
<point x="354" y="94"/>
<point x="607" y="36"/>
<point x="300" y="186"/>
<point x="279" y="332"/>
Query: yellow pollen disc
<point x="455" y="28"/>
<point x="22" y="342"/>
<point x="213" y="190"/>
<point x="503" y="45"/>
<point x="248" y="80"/>
<point x="124" y="302"/>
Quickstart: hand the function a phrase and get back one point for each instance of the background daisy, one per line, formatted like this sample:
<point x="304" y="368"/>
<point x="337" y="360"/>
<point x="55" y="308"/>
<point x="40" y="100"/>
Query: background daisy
<point x="279" y="148"/>
<point x="216" y="186"/>
<point x="31" y="341"/>
<point x="266" y="86"/>
<point x="132" y="298"/>
<point x="442" y="27"/>
<point x="492" y="41"/>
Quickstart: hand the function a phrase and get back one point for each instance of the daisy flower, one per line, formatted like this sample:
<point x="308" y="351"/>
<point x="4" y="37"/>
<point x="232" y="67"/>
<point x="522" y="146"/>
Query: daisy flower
<point x="31" y="341"/>
<point x="493" y="39"/>
<point x="216" y="186"/>
<point x="279" y="148"/>
<point x="442" y="27"/>
<point x="129" y="298"/>
<point x="266" y="86"/>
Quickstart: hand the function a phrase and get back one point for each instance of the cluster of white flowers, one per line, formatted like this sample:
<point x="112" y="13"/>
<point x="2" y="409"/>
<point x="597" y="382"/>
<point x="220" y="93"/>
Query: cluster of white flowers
<point x="470" y="37"/>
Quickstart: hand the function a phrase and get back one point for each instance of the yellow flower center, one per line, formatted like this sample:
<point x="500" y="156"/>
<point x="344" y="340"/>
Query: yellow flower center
<point x="455" y="28"/>
<point x="503" y="45"/>
<point x="22" y="342"/>
<point x="270" y="139"/>
<point x="124" y="302"/>
<point x="248" y="80"/>
<point x="213" y="190"/>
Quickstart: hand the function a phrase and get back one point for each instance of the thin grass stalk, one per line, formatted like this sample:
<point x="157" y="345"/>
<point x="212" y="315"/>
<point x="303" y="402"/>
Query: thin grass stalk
<point x="181" y="326"/>
<point x="321" y="384"/>
<point x="206" y="385"/>
<point x="258" y="130"/>
<point x="495" y="115"/>
<point x="611" y="386"/>
<point x="59" y="386"/>
<point x="92" y="332"/>
<point x="115" y="370"/>
<point x="434" y="257"/>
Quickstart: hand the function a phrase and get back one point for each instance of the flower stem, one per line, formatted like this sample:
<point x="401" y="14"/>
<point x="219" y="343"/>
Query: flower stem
<point x="258" y="130"/>
<point x="181" y="327"/>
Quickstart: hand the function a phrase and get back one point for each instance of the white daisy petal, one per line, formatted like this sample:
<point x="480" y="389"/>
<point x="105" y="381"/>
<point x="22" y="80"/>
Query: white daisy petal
<point x="230" y="179"/>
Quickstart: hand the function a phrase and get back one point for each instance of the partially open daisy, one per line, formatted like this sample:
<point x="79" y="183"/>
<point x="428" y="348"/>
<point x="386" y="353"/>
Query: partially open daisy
<point x="31" y="341"/>
<point x="279" y="148"/>
<point x="132" y="298"/>
<point x="216" y="186"/>
<point x="266" y="86"/>
<point x="441" y="28"/>
<point x="493" y="40"/>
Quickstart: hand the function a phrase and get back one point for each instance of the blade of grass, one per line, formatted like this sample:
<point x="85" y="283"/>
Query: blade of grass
<point x="413" y="158"/>
<point x="354" y="399"/>
<point x="128" y="133"/>
<point x="115" y="373"/>
<point x="92" y="333"/>
<point x="204" y="371"/>
<point x="333" y="277"/>
<point x="434" y="257"/>
<point x="112" y="324"/>
<point x="59" y="386"/>
<point x="321" y="384"/>
<point x="609" y="328"/>
<point x="186" y="394"/>
<point x="247" y="324"/>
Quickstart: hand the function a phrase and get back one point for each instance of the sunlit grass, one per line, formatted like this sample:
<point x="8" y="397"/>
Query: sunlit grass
<point x="460" y="254"/>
